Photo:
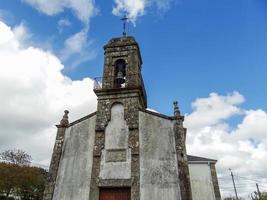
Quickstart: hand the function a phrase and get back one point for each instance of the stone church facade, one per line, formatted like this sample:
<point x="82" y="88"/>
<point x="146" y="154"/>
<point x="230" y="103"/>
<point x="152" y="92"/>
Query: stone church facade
<point x="124" y="151"/>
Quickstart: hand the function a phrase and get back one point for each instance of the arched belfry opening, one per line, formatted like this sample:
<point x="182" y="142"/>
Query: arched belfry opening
<point x="120" y="73"/>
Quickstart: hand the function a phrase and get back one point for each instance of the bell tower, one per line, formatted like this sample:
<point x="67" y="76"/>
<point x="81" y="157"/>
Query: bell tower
<point x="121" y="82"/>
<point x="121" y="95"/>
<point x="122" y="70"/>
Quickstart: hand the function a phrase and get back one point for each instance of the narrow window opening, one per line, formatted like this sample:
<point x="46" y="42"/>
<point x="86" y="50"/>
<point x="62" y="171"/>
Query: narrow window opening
<point x="120" y="73"/>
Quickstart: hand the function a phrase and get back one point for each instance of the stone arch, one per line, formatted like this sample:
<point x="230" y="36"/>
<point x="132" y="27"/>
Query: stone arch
<point x="117" y="111"/>
<point x="120" y="72"/>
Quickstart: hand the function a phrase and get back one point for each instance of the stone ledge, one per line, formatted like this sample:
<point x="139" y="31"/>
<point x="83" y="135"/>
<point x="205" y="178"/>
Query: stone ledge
<point x="115" y="183"/>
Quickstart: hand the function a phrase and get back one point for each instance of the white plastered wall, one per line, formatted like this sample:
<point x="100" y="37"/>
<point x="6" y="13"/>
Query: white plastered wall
<point x="201" y="181"/>
<point x="74" y="173"/>
<point x="159" y="179"/>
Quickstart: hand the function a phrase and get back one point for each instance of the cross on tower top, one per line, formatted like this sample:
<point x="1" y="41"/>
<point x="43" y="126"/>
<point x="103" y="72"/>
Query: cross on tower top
<point x="124" y="19"/>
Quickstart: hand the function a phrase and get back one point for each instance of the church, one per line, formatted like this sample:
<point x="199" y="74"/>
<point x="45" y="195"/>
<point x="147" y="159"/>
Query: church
<point x="124" y="151"/>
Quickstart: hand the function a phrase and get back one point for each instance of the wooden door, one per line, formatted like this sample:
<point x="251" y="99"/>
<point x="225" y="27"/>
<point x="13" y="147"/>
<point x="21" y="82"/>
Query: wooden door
<point x="115" y="194"/>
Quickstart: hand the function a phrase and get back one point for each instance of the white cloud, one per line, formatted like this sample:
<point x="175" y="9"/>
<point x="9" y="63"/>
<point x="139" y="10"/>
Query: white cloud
<point x="133" y="8"/>
<point x="34" y="94"/>
<point x="62" y="23"/>
<point x="21" y="33"/>
<point x="76" y="42"/>
<point x="163" y="4"/>
<point x="214" y="109"/>
<point x="136" y="8"/>
<point x="83" y="9"/>
<point x="254" y="125"/>
<point x="77" y="49"/>
<point x="242" y="147"/>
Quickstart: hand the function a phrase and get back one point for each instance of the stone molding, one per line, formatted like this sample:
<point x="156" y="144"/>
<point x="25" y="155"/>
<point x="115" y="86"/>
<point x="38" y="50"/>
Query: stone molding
<point x="215" y="181"/>
<point x="184" y="177"/>
<point x="54" y="164"/>
<point x="115" y="183"/>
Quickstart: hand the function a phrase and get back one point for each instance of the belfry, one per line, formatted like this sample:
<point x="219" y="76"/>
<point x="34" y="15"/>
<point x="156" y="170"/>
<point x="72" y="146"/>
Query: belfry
<point x="124" y="151"/>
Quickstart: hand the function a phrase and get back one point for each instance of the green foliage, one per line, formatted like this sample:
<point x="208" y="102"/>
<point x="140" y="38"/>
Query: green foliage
<point x="2" y="197"/>
<point x="263" y="196"/>
<point x="34" y="185"/>
<point x="23" y="181"/>
<point x="6" y="198"/>
<point x="257" y="196"/>
<point x="8" y="178"/>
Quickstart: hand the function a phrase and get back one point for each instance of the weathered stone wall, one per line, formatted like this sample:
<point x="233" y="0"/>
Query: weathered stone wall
<point x="132" y="96"/>
<point x="215" y="181"/>
<point x="53" y="169"/>
<point x="159" y="176"/>
<point x="74" y="171"/>
<point x="180" y="145"/>
<point x="56" y="156"/>
<point x="127" y="49"/>
<point x="201" y="181"/>
<point x="131" y="105"/>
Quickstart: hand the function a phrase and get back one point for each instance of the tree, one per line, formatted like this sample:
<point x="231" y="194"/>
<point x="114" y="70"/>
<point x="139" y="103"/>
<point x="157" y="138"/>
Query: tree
<point x="6" y="198"/>
<point x="263" y="196"/>
<point x="258" y="196"/>
<point x="17" y="157"/>
<point x="24" y="181"/>
<point x="31" y="183"/>
<point x="18" y="178"/>
<point x="8" y="178"/>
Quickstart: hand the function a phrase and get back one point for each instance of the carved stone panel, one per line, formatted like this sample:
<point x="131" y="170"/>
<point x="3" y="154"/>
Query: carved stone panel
<point x="116" y="155"/>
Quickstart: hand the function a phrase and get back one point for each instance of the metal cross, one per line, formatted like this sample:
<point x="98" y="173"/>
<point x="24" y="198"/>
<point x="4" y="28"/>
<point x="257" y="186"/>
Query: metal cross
<point x="124" y="19"/>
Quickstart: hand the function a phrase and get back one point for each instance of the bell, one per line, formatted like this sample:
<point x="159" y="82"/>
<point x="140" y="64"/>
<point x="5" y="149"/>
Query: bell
<point x="119" y="78"/>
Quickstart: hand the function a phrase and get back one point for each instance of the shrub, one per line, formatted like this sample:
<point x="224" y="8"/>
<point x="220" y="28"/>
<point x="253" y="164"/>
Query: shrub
<point x="6" y="198"/>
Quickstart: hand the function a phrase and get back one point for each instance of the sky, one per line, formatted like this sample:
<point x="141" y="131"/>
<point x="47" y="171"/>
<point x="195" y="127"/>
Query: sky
<point x="209" y="55"/>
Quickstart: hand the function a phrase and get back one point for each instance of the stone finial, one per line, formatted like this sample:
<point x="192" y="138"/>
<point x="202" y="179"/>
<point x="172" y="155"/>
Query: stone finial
<point x="176" y="109"/>
<point x="65" y="119"/>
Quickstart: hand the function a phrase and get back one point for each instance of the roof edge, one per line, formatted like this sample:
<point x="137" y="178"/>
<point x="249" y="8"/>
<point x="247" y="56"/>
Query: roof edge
<point x="81" y="119"/>
<point x="160" y="115"/>
<point x="197" y="159"/>
<point x="156" y="114"/>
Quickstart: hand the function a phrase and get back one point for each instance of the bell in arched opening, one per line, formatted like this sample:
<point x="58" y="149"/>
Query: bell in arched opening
<point x="120" y="73"/>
